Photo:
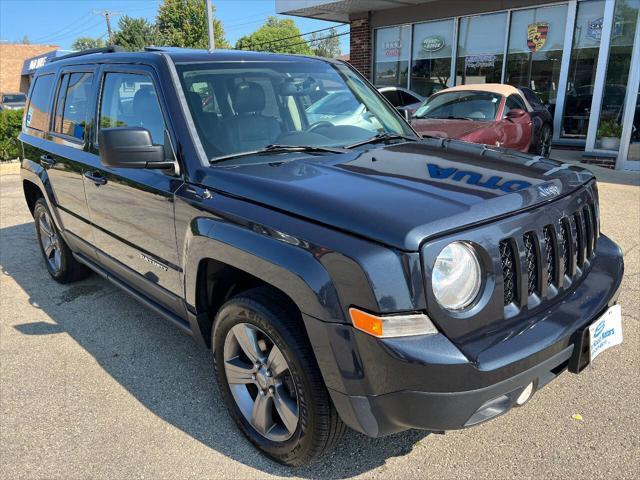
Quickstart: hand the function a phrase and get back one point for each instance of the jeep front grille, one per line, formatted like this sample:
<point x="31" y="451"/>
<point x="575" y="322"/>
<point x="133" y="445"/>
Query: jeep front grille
<point x="548" y="254"/>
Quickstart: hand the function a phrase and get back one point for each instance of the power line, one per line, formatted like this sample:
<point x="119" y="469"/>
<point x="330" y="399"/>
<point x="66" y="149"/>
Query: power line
<point x="55" y="34"/>
<point x="314" y="40"/>
<point x="251" y="45"/>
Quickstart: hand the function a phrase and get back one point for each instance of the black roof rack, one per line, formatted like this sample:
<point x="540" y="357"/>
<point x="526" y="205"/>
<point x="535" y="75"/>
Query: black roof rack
<point x="110" y="49"/>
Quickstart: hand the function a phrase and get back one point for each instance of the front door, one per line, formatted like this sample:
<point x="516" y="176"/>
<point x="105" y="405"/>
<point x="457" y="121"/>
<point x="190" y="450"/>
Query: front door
<point x="132" y="210"/>
<point x="515" y="133"/>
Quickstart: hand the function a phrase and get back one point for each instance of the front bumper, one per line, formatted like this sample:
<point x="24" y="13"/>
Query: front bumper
<point x="385" y="386"/>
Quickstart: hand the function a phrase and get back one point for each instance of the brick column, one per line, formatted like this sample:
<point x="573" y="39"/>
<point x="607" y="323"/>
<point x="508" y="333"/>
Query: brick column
<point x="360" y="46"/>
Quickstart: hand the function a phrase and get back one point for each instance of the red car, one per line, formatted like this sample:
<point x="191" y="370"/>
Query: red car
<point x="491" y="113"/>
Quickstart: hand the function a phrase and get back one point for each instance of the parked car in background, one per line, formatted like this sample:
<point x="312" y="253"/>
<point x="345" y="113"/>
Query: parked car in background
<point x="340" y="108"/>
<point x="401" y="98"/>
<point x="492" y="114"/>
<point x="12" y="101"/>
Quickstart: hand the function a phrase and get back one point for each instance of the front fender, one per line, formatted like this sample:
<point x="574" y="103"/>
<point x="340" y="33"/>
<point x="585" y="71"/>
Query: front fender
<point x="281" y="260"/>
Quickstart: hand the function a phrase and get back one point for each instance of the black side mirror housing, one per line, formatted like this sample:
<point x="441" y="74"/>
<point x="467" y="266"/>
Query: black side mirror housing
<point x="130" y="147"/>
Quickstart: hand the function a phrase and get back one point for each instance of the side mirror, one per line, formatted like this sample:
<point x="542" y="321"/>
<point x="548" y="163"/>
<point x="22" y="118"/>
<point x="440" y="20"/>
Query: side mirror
<point x="130" y="147"/>
<point x="515" y="114"/>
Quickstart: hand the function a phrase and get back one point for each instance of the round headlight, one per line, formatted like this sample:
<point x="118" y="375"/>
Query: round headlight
<point x="456" y="276"/>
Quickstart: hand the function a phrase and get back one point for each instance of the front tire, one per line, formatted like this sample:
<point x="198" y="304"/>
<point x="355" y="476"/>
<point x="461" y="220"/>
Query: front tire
<point x="544" y="145"/>
<point x="270" y="381"/>
<point x="57" y="256"/>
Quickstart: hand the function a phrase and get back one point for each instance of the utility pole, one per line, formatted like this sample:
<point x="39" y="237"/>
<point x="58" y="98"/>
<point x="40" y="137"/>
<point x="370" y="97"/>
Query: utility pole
<point x="212" y="40"/>
<point x="107" y="16"/>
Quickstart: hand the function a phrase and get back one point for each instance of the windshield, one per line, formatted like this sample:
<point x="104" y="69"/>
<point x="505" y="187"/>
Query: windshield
<point x="461" y="105"/>
<point x="242" y="107"/>
<point x="14" y="98"/>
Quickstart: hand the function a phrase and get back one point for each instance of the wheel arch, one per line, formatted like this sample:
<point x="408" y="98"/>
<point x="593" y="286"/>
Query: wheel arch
<point x="222" y="259"/>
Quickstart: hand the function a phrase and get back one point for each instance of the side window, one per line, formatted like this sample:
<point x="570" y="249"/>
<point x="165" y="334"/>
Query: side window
<point x="513" y="103"/>
<point x="207" y="97"/>
<point x="130" y="100"/>
<point x="392" y="96"/>
<point x="37" y="115"/>
<point x="407" y="98"/>
<point x="72" y="104"/>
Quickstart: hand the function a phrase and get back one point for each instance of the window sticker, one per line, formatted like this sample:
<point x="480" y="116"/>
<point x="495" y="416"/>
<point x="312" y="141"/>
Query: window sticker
<point x="29" y="114"/>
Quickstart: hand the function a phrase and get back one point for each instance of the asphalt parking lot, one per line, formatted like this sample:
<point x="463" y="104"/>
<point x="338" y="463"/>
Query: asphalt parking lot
<point x="94" y="385"/>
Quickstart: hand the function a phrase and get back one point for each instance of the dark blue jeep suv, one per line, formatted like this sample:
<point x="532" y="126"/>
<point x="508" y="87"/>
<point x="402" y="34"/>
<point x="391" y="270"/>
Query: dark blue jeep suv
<point x="344" y="271"/>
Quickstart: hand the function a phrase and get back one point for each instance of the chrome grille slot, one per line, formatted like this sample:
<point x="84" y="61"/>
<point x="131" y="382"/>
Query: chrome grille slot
<point x="565" y="246"/>
<point x="531" y="263"/>
<point x="508" y="260"/>
<point x="579" y="240"/>
<point x="550" y="254"/>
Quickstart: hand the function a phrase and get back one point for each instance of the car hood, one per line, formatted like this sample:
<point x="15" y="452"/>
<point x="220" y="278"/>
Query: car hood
<point x="436" y="127"/>
<point x="400" y="194"/>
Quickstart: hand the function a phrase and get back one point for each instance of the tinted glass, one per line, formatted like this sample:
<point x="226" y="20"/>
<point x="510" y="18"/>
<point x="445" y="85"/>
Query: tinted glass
<point x="130" y="100"/>
<point x="481" y="106"/>
<point x="392" y="46"/>
<point x="38" y="112"/>
<point x="481" y="48"/>
<point x="431" y="61"/>
<point x="532" y="98"/>
<point x="300" y="103"/>
<point x="536" y="39"/>
<point x="618" y="69"/>
<point x="407" y="99"/>
<point x="582" y="69"/>
<point x="71" y="111"/>
<point x="393" y="97"/>
<point x="513" y="103"/>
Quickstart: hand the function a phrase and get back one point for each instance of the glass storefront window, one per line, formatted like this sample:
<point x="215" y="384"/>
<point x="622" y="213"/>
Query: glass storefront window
<point x="431" y="62"/>
<point x="536" y="39"/>
<point x="481" y="48"/>
<point x="392" y="49"/>
<point x="582" y="69"/>
<point x="623" y="29"/>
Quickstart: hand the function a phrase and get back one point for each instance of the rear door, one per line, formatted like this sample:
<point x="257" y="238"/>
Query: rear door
<point x="63" y="151"/>
<point x="132" y="210"/>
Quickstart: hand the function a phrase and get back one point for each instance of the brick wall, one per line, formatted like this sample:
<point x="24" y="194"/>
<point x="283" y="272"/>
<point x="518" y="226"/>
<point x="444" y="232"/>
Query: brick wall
<point x="12" y="57"/>
<point x="360" y="46"/>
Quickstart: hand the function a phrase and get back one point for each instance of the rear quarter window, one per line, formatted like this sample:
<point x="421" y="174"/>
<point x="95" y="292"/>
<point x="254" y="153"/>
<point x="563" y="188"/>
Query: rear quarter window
<point x="37" y="114"/>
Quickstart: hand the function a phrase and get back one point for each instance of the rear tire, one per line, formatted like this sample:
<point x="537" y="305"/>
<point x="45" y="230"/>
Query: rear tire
<point x="544" y="144"/>
<point x="59" y="260"/>
<point x="263" y="321"/>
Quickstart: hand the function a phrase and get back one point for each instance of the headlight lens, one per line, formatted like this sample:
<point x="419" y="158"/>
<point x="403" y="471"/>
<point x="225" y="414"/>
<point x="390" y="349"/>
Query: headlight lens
<point x="456" y="276"/>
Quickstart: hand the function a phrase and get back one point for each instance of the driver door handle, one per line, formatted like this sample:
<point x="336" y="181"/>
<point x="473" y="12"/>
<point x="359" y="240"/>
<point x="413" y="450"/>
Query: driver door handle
<point x="95" y="177"/>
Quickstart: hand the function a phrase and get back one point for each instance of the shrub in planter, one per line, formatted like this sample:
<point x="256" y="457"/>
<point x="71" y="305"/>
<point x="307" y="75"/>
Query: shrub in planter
<point x="609" y="134"/>
<point x="10" y="125"/>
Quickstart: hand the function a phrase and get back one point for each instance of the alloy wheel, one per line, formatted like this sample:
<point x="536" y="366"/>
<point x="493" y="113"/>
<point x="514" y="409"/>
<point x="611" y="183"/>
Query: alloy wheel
<point x="50" y="242"/>
<point x="260" y="381"/>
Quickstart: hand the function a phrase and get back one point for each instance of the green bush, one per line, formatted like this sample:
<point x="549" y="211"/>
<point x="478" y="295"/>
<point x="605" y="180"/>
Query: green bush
<point x="609" y="128"/>
<point x="10" y="126"/>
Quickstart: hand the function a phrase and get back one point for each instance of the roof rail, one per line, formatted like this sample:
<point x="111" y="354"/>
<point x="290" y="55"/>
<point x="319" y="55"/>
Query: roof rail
<point x="109" y="49"/>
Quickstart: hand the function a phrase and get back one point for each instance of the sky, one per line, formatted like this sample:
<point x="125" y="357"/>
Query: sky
<point x="60" y="22"/>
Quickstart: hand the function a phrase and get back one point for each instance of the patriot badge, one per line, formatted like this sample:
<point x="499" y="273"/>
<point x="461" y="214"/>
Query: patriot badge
<point x="537" y="35"/>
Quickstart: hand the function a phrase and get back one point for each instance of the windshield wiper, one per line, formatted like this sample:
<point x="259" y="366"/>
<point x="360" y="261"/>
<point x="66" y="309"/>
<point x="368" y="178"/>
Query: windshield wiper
<point x="275" y="148"/>
<point x="383" y="137"/>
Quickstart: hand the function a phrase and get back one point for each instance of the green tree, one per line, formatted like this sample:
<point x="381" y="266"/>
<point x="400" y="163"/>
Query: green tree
<point x="86" y="43"/>
<point x="269" y="38"/>
<point x="183" y="23"/>
<point x="135" y="33"/>
<point x="325" y="44"/>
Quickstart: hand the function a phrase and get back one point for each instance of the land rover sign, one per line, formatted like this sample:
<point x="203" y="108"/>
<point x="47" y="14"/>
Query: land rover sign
<point x="432" y="43"/>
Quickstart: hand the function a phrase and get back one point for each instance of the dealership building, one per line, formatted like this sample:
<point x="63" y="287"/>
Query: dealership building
<point x="582" y="57"/>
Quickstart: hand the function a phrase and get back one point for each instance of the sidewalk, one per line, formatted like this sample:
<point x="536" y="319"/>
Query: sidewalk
<point x="604" y="175"/>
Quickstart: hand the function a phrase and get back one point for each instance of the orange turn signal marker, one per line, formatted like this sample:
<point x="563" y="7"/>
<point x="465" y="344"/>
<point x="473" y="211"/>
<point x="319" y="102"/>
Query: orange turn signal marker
<point x="366" y="322"/>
